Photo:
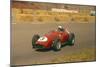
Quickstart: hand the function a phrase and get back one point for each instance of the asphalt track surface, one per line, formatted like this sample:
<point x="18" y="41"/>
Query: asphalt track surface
<point x="21" y="39"/>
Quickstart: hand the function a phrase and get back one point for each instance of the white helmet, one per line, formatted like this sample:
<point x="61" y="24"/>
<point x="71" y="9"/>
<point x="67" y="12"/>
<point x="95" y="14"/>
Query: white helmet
<point x="60" y="27"/>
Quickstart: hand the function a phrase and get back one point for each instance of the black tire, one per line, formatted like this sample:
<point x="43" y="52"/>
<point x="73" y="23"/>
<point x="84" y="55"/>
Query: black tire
<point x="71" y="40"/>
<point x="34" y="39"/>
<point x="56" y="45"/>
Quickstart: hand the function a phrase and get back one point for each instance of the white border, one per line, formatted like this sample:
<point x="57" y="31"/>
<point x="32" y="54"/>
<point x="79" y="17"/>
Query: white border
<point x="5" y="32"/>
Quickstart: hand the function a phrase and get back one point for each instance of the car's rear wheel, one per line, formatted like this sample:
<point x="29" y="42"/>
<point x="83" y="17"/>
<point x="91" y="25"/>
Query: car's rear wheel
<point x="34" y="39"/>
<point x="71" y="40"/>
<point x="56" y="45"/>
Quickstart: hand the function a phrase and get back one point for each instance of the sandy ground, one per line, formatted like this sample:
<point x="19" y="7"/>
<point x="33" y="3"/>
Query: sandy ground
<point x="21" y="38"/>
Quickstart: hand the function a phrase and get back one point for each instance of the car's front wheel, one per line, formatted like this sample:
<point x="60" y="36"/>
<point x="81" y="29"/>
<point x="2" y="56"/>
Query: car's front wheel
<point x="34" y="39"/>
<point x="56" y="45"/>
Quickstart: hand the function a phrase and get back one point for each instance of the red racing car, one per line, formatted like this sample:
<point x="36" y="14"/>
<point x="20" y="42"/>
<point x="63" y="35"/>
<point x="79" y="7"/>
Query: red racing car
<point x="55" y="39"/>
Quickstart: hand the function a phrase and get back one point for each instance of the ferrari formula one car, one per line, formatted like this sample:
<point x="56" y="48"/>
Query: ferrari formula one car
<point x="54" y="39"/>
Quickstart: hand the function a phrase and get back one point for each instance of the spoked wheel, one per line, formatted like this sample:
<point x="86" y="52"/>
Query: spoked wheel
<point x="56" y="45"/>
<point x="71" y="40"/>
<point x="34" y="39"/>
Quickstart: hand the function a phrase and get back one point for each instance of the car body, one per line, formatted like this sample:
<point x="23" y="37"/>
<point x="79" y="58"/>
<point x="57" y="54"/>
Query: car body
<point x="54" y="39"/>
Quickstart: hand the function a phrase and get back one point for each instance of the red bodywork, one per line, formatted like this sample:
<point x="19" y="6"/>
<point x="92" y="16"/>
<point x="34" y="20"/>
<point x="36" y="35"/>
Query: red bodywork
<point x="63" y="36"/>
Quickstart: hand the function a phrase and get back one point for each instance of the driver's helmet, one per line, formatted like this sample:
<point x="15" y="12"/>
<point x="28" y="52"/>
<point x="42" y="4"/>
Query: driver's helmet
<point x="60" y="28"/>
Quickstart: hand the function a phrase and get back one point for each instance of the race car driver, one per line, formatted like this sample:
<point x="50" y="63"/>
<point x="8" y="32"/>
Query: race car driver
<point x="60" y="28"/>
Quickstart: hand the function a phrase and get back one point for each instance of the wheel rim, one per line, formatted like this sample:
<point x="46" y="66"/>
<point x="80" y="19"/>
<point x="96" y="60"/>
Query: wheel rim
<point x="58" y="45"/>
<point x="73" y="41"/>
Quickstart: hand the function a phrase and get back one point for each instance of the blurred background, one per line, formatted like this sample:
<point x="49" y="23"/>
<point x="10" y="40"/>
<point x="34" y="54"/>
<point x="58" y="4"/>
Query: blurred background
<point x="32" y="12"/>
